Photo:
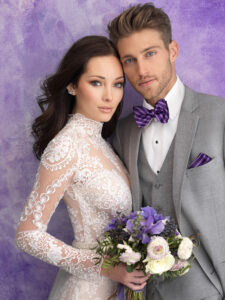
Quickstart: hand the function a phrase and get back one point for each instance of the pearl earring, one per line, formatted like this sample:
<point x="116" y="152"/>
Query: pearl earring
<point x="71" y="93"/>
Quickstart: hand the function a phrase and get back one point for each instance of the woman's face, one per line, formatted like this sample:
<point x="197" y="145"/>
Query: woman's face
<point x="100" y="88"/>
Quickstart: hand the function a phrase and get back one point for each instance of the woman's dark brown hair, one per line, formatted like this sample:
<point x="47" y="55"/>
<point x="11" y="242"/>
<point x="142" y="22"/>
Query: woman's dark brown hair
<point x="55" y="102"/>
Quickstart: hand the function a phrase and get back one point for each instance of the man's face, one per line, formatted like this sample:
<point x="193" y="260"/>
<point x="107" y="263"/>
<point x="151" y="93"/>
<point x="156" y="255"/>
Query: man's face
<point x="148" y="64"/>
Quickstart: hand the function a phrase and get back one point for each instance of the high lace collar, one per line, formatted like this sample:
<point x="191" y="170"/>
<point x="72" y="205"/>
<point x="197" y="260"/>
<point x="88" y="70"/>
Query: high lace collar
<point x="92" y="127"/>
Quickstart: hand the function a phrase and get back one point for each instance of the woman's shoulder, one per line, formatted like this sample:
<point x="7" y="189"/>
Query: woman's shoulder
<point x="61" y="150"/>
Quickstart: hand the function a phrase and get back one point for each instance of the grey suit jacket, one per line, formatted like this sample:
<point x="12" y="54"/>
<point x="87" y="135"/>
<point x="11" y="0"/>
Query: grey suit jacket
<point x="198" y="193"/>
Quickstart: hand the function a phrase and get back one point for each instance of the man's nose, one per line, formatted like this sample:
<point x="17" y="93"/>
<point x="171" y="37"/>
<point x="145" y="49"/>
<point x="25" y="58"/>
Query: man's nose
<point x="141" y="68"/>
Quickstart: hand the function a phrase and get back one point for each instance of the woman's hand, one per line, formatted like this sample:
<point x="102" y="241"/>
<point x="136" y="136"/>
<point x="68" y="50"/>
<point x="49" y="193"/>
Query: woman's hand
<point x="135" y="280"/>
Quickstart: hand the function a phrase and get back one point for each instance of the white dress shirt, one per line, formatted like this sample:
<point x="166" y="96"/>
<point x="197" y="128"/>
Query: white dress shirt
<point x="157" y="137"/>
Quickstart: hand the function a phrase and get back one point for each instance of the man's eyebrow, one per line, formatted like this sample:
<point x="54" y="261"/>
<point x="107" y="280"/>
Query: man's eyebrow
<point x="126" y="56"/>
<point x="142" y="51"/>
<point x="150" y="48"/>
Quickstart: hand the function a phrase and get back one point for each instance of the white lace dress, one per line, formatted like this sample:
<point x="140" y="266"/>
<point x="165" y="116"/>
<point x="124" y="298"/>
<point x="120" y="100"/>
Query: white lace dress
<point x="81" y="167"/>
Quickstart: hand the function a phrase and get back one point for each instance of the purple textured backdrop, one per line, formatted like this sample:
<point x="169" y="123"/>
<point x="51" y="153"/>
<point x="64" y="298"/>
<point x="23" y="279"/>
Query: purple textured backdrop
<point x="33" y="36"/>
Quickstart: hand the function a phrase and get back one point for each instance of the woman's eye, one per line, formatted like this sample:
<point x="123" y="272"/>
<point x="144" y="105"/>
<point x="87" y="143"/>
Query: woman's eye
<point x="119" y="84"/>
<point x="96" y="83"/>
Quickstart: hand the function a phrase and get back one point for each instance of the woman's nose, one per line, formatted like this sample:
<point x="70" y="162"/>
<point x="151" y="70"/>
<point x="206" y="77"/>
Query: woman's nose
<point x="107" y="96"/>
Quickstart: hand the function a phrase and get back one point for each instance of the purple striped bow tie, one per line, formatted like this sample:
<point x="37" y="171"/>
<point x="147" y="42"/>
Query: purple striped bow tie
<point x="143" y="115"/>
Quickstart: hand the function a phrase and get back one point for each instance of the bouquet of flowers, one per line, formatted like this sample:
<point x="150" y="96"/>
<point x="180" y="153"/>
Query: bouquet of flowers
<point x="145" y="241"/>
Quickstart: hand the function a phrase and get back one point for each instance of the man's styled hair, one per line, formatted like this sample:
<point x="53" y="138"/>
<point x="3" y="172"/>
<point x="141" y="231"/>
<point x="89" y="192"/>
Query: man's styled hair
<point x="140" y="17"/>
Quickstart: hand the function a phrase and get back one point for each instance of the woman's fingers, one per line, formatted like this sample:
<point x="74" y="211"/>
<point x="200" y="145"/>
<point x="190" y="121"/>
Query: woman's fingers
<point x="140" y="274"/>
<point x="136" y="287"/>
<point x="139" y="277"/>
<point x="135" y="280"/>
<point x="139" y="280"/>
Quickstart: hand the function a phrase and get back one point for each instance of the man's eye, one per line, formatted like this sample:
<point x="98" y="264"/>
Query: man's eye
<point x="151" y="53"/>
<point x="96" y="83"/>
<point x="128" y="61"/>
<point x="119" y="84"/>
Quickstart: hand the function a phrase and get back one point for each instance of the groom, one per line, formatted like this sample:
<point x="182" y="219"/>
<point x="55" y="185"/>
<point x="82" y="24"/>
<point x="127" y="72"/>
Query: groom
<point x="175" y="154"/>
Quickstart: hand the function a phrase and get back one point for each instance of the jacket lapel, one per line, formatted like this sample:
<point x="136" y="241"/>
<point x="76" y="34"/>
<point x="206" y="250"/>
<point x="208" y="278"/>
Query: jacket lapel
<point x="134" y="142"/>
<point x="186" y="129"/>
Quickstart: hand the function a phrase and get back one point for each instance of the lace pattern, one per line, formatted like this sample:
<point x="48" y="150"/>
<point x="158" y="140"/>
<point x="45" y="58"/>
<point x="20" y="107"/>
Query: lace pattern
<point x="81" y="167"/>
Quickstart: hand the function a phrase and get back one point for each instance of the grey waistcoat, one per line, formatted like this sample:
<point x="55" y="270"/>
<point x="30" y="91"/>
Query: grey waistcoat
<point x="157" y="189"/>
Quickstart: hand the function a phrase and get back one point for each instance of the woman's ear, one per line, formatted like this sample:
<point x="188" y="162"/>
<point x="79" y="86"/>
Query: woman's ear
<point x="71" y="89"/>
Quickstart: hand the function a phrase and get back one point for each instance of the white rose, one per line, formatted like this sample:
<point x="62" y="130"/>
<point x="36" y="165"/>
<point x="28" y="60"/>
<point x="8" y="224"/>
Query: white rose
<point x="185" y="249"/>
<point x="129" y="257"/>
<point x="122" y="246"/>
<point x="159" y="266"/>
<point x="157" y="247"/>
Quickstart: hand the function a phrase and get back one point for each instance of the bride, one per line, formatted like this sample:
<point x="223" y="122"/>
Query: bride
<point x="80" y="106"/>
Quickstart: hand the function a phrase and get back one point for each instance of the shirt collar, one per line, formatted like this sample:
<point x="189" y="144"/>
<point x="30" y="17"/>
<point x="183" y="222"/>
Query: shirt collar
<point x="174" y="99"/>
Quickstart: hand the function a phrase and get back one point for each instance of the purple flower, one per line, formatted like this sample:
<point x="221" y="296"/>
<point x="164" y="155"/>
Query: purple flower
<point x="130" y="225"/>
<point x="148" y="223"/>
<point x="148" y="211"/>
<point x="150" y="227"/>
<point x="111" y="226"/>
<point x="145" y="239"/>
<point x="157" y="228"/>
<point x="159" y="217"/>
<point x="133" y="215"/>
<point x="124" y="220"/>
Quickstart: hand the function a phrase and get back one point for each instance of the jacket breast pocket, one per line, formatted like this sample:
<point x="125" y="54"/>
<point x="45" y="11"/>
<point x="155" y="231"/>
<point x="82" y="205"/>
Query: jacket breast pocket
<point x="208" y="167"/>
<point x="202" y="182"/>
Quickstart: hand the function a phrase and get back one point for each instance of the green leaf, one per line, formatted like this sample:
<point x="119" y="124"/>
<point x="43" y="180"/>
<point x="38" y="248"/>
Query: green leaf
<point x="130" y="268"/>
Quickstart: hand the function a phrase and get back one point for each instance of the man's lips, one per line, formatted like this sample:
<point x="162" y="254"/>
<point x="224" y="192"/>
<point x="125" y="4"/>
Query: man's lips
<point x="146" y="82"/>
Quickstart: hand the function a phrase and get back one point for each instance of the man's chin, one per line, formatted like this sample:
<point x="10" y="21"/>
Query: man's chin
<point x="148" y="98"/>
<point x="148" y="95"/>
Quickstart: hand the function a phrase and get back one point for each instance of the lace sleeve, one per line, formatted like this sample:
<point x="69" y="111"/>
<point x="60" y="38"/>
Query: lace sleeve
<point x="57" y="167"/>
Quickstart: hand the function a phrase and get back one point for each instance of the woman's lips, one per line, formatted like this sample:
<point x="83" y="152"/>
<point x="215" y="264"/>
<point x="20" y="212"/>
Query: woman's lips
<point x="105" y="109"/>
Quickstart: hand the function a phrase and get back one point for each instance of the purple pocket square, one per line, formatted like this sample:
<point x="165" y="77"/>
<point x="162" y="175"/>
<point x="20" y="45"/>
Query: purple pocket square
<point x="200" y="160"/>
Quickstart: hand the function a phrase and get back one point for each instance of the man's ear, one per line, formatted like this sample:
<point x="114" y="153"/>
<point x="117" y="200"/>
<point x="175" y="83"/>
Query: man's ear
<point x="71" y="89"/>
<point x="173" y="50"/>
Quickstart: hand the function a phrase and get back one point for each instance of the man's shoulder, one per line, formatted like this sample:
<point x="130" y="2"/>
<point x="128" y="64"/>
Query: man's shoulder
<point x="125" y="126"/>
<point x="206" y="99"/>
<point x="206" y="105"/>
<point x="126" y="122"/>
